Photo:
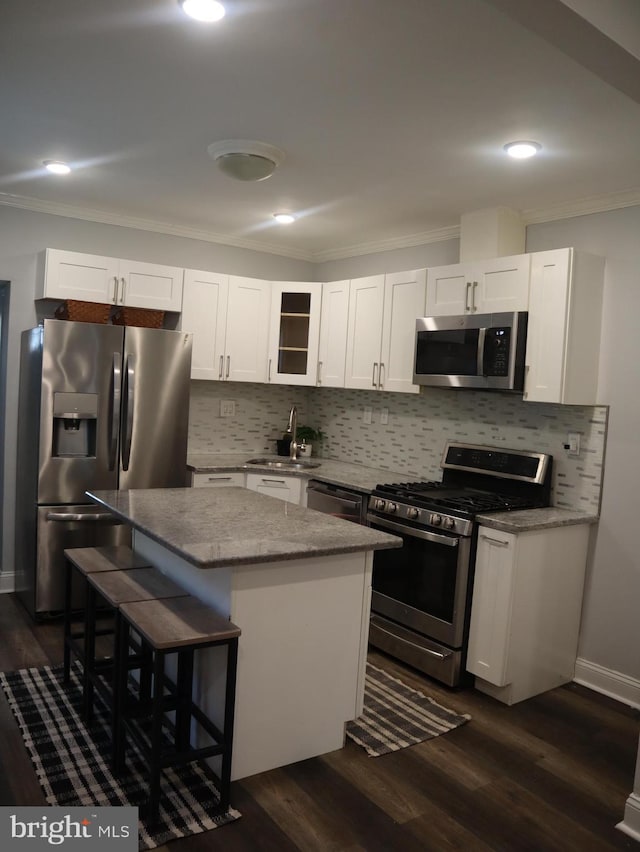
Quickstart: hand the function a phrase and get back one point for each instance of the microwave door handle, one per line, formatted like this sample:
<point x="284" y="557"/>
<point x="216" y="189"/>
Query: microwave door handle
<point x="127" y="414"/>
<point x="482" y="333"/>
<point x="116" y="396"/>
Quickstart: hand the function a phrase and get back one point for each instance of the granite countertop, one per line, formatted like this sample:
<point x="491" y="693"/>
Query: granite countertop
<point x="355" y="476"/>
<point x="213" y="528"/>
<point x="534" y="519"/>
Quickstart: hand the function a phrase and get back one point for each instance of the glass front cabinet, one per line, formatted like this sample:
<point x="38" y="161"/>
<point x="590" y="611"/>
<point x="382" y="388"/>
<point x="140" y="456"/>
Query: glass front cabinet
<point x="294" y="333"/>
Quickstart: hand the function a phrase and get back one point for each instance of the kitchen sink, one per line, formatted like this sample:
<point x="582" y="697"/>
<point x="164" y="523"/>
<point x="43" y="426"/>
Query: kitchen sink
<point x="285" y="464"/>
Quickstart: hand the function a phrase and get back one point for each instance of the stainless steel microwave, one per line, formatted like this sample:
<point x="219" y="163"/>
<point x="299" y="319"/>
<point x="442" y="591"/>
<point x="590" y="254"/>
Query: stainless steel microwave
<point x="471" y="351"/>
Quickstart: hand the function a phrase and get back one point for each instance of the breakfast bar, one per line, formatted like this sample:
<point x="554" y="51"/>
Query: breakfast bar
<point x="298" y="584"/>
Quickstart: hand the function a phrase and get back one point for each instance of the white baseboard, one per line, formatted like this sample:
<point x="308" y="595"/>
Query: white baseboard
<point x="631" y="823"/>
<point x="609" y="682"/>
<point x="7" y="581"/>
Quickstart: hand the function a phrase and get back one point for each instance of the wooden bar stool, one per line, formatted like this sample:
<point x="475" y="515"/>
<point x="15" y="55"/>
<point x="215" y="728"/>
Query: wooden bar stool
<point x="87" y="561"/>
<point x="113" y="589"/>
<point x="176" y="626"/>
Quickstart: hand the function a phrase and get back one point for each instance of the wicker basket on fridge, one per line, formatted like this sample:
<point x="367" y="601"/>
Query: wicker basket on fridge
<point x="77" y="311"/>
<point x="142" y="317"/>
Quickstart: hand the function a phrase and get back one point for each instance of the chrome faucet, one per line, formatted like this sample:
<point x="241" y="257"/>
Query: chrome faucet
<point x="292" y="426"/>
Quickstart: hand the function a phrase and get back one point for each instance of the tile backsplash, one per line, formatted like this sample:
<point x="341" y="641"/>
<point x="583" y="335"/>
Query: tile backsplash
<point x="418" y="427"/>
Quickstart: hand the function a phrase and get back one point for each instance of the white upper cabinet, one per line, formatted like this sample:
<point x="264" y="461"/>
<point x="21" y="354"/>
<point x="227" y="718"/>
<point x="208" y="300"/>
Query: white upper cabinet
<point x="149" y="285"/>
<point x="563" y="336"/>
<point x="404" y="301"/>
<point x="109" y="280"/>
<point x="381" y="331"/>
<point x="84" y="277"/>
<point x="334" y="325"/>
<point x="294" y="332"/>
<point x="248" y="312"/>
<point x="364" y="336"/>
<point x="495" y="285"/>
<point x="229" y="319"/>
<point x="204" y="313"/>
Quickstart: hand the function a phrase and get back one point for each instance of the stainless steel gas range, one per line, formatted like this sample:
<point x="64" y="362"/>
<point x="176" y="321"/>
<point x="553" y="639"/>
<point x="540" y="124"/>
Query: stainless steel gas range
<point x="422" y="593"/>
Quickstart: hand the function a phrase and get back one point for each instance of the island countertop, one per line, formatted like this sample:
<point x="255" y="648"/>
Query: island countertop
<point x="212" y="528"/>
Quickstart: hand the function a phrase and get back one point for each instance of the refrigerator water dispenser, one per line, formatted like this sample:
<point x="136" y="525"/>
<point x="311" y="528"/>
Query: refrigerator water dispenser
<point x="75" y="417"/>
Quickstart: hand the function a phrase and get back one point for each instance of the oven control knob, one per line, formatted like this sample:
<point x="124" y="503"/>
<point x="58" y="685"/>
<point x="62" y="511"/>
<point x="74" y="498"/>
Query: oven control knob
<point x="413" y="514"/>
<point x="436" y="520"/>
<point x="448" y="523"/>
<point x="392" y="507"/>
<point x="380" y="504"/>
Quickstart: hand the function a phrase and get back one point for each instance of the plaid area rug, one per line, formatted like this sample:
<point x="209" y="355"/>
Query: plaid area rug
<point x="71" y="759"/>
<point x="396" y="716"/>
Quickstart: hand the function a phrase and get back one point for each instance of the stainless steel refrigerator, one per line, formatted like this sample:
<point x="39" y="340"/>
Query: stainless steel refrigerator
<point x="100" y="407"/>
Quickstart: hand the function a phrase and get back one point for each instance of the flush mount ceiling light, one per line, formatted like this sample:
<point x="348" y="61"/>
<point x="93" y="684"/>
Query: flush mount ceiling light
<point x="244" y="159"/>
<point x="206" y="11"/>
<point x="56" y="167"/>
<point x="284" y="218"/>
<point x="521" y="150"/>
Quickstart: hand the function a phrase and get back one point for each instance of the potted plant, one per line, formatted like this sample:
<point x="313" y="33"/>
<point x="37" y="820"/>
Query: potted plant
<point x="305" y="436"/>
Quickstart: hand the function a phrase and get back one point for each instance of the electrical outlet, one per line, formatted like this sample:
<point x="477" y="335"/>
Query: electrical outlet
<point x="384" y="416"/>
<point x="367" y="412"/>
<point x="573" y="444"/>
<point x="227" y="407"/>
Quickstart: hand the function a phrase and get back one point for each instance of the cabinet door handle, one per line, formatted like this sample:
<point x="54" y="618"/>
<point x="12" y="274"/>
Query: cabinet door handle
<point x="220" y="368"/>
<point x="269" y="371"/>
<point x="381" y="376"/>
<point x="373" y="375"/>
<point x="218" y="479"/>
<point x="319" y="380"/>
<point x="115" y="290"/>
<point x="473" y="297"/>
<point x="500" y="542"/>
<point x="228" y="366"/>
<point x="124" y="287"/>
<point x="276" y="481"/>
<point x="467" y="306"/>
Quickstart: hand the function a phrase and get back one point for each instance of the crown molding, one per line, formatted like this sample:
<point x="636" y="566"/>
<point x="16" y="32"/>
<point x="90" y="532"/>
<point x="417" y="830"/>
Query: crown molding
<point x="582" y="207"/>
<point x="105" y="218"/>
<point x="532" y="216"/>
<point x="436" y="235"/>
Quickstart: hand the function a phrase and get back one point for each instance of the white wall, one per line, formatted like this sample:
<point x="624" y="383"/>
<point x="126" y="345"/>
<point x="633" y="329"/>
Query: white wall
<point x="23" y="234"/>
<point x="610" y="634"/>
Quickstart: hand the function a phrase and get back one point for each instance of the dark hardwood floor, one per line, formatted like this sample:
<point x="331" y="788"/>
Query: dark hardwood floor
<point x="551" y="773"/>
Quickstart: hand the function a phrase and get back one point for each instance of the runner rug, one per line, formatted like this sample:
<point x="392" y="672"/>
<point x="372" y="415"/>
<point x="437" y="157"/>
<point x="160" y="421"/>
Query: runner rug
<point x="396" y="716"/>
<point x="71" y="759"/>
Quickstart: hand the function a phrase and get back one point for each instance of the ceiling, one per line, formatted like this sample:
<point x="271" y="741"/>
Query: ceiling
<point x="392" y="114"/>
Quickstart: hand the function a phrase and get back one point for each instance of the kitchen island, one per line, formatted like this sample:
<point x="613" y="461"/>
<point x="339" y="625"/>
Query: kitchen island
<point x="297" y="583"/>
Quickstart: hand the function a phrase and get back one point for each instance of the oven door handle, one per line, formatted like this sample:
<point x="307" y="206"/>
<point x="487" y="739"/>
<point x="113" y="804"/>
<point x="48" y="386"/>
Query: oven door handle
<point x="421" y="534"/>
<point x="437" y="654"/>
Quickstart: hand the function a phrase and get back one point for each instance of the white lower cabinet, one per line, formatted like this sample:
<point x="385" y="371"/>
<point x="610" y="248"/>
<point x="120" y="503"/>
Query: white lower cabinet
<point x="217" y="480"/>
<point x="525" y="611"/>
<point x="287" y="488"/>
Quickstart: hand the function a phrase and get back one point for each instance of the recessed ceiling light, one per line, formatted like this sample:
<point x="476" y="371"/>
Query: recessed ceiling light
<point x="521" y="150"/>
<point x="206" y="11"/>
<point x="57" y="167"/>
<point x="284" y="218"/>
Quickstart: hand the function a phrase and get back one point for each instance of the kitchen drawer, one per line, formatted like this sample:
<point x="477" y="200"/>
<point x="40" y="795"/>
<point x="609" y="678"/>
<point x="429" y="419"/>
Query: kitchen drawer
<point x="217" y="480"/>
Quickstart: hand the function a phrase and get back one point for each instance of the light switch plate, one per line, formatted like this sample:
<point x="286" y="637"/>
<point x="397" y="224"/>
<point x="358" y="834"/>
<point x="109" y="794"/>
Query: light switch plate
<point x="366" y="414"/>
<point x="384" y="416"/>
<point x="227" y="407"/>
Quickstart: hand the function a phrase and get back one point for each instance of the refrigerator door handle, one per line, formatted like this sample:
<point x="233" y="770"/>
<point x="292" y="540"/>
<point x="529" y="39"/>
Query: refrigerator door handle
<point x="127" y="411"/>
<point x="95" y="517"/>
<point x="116" y="397"/>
